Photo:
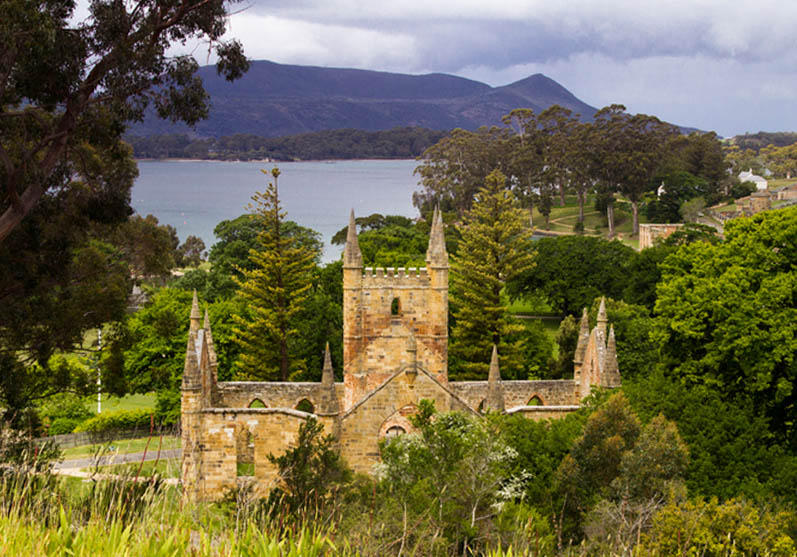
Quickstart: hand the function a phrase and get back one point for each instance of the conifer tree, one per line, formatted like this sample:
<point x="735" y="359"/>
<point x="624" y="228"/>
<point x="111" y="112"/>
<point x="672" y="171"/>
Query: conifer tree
<point x="495" y="247"/>
<point x="275" y="289"/>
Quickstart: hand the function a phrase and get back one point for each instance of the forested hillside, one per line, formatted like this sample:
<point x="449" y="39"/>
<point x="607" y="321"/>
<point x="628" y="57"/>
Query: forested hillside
<point x="273" y="100"/>
<point x="397" y="143"/>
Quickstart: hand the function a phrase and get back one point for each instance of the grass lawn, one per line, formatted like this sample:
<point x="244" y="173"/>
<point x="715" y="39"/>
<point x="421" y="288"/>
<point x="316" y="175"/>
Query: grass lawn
<point x="123" y="446"/>
<point x="166" y="468"/>
<point x="127" y="402"/>
<point x="774" y="184"/>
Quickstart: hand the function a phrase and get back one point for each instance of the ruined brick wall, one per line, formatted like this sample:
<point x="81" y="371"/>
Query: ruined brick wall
<point x="362" y="426"/>
<point x="538" y="413"/>
<point x="518" y="393"/>
<point x="227" y="436"/>
<point x="648" y="233"/>
<point x="240" y="394"/>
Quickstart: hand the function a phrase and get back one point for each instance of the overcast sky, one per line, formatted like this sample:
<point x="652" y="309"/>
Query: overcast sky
<point x="723" y="65"/>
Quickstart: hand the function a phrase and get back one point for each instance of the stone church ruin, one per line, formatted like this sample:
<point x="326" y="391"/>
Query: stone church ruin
<point x="395" y="353"/>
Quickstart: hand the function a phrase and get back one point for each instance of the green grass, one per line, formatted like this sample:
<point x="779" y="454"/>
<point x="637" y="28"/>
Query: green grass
<point x="123" y="446"/>
<point x="165" y="468"/>
<point x="127" y="402"/>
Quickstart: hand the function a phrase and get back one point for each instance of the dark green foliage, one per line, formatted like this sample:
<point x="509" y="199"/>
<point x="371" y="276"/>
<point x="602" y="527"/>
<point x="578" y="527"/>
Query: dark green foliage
<point x="311" y="474"/>
<point x="756" y="141"/>
<point x="150" y="248"/>
<point x="567" y="339"/>
<point x="275" y="290"/>
<point x="68" y="86"/>
<point x="679" y="187"/>
<point x="643" y="273"/>
<point x="538" y="361"/>
<point x="572" y="271"/>
<point x="732" y="451"/>
<point x="727" y="315"/>
<point x="191" y="252"/>
<point x="495" y="248"/>
<point x="397" y="143"/>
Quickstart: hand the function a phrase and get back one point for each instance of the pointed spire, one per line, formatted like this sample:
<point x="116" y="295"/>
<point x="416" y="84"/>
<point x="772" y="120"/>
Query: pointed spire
<point x="602" y="320"/>
<point x="583" y="338"/>
<point x="495" y="391"/>
<point x="191" y="377"/>
<point x="327" y="374"/>
<point x="436" y="252"/>
<point x="196" y="317"/>
<point x="206" y="321"/>
<point x="352" y="257"/>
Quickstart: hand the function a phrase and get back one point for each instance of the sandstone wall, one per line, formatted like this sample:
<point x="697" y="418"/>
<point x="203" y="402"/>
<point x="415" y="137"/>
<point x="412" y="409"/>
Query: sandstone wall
<point x="362" y="425"/>
<point x="518" y="393"/>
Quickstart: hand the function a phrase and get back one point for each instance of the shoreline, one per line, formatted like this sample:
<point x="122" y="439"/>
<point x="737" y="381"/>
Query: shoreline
<point x="263" y="161"/>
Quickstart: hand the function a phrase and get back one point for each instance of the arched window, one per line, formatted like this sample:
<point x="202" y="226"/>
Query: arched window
<point x="305" y="405"/>
<point x="395" y="307"/>
<point x="394" y="431"/>
<point x="535" y="401"/>
<point x="482" y="406"/>
<point x="257" y="403"/>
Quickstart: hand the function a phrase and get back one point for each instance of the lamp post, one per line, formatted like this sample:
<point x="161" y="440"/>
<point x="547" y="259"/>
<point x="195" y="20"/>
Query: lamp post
<point x="99" y="375"/>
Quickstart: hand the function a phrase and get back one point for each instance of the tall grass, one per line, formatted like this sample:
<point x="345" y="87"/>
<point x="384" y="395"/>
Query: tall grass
<point x="42" y="514"/>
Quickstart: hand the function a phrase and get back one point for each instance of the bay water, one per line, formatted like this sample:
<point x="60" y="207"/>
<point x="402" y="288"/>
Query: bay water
<point x="194" y="196"/>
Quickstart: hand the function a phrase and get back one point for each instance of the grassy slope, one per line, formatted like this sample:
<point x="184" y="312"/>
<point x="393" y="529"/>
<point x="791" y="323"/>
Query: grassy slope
<point x="123" y="446"/>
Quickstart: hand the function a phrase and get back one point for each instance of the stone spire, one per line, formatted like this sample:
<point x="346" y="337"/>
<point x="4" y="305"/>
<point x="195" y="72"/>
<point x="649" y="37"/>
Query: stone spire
<point x="610" y="368"/>
<point x="495" y="391"/>
<point x="206" y="321"/>
<point x="328" y="400"/>
<point x="211" y="346"/>
<point x="583" y="339"/>
<point x="191" y="372"/>
<point x="352" y="257"/>
<point x="196" y="317"/>
<point x="327" y="374"/>
<point x="436" y="252"/>
<point x="602" y="320"/>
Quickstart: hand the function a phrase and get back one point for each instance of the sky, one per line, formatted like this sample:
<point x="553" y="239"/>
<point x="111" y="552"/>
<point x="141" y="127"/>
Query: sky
<point x="723" y="65"/>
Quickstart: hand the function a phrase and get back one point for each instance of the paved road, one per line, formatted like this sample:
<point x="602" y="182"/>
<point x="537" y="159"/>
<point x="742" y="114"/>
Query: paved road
<point x="116" y="459"/>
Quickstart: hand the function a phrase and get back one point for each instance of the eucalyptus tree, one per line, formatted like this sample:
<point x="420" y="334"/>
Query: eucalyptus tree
<point x="64" y="84"/>
<point x="453" y="169"/>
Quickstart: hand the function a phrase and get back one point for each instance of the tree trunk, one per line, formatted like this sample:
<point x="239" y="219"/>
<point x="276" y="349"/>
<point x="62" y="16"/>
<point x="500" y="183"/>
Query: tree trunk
<point x="561" y="195"/>
<point x="610" y="218"/>
<point x="531" y="216"/>
<point x="635" y="210"/>
<point x="581" y="201"/>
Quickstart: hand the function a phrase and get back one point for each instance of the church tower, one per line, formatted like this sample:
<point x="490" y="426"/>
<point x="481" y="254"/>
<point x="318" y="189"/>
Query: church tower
<point x="384" y="307"/>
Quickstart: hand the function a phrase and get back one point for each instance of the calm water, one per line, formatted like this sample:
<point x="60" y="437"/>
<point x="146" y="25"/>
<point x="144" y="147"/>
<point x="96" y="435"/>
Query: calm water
<point x="194" y="196"/>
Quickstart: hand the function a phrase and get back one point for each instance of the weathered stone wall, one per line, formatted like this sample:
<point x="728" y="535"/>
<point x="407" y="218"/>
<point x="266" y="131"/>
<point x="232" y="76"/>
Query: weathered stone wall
<point x="648" y="233"/>
<point x="362" y="425"/>
<point x="518" y="393"/>
<point x="538" y="413"/>
<point x="376" y="338"/>
<point x="227" y="436"/>
<point x="240" y="394"/>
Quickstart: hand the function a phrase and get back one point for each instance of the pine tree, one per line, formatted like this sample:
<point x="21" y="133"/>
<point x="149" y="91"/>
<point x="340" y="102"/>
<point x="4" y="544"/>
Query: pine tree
<point x="495" y="247"/>
<point x="275" y="289"/>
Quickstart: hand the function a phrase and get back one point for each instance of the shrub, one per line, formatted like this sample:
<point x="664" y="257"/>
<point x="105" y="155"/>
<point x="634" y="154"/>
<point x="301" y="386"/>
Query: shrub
<point x="120" y="419"/>
<point x="63" y="425"/>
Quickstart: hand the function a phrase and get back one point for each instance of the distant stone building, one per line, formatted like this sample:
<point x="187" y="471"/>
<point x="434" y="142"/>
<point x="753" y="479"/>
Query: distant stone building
<point x="395" y="336"/>
<point x="754" y="203"/>
<point x="649" y="233"/>
<point x="786" y="192"/>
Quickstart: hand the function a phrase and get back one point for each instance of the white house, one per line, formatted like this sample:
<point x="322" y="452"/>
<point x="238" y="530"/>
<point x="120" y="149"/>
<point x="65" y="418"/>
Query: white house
<point x="748" y="176"/>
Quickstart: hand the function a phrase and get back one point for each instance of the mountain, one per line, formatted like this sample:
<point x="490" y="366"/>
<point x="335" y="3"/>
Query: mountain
<point x="273" y="100"/>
